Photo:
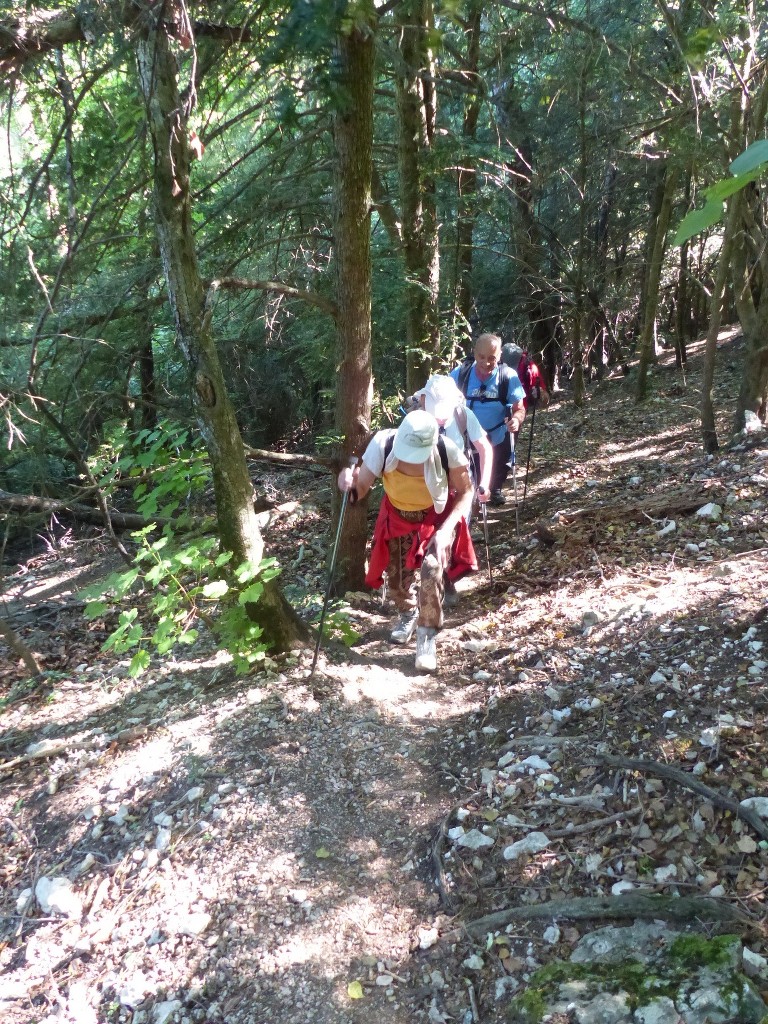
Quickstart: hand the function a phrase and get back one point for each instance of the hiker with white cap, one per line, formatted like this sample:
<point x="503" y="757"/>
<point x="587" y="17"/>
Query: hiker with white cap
<point x="441" y="397"/>
<point x="422" y="524"/>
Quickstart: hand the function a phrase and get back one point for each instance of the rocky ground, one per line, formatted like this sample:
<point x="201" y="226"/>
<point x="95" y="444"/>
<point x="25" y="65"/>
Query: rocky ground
<point x="192" y="846"/>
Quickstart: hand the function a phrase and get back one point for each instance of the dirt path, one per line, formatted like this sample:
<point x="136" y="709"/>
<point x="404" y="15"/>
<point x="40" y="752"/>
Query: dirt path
<point x="239" y="851"/>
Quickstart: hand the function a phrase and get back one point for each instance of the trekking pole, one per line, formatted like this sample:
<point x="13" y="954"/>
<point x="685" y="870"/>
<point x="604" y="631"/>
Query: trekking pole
<point x="484" y="512"/>
<point x="513" y="463"/>
<point x="331" y="568"/>
<point x="530" y="446"/>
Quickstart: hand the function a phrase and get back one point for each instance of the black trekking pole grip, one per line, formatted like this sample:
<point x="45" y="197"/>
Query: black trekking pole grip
<point x="331" y="568"/>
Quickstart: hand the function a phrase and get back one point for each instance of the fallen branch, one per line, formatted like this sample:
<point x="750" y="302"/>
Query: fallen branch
<point x="680" y="501"/>
<point x="627" y="905"/>
<point x="31" y="503"/>
<point x="665" y="771"/>
<point x="57" y="748"/>
<point x="291" y="459"/>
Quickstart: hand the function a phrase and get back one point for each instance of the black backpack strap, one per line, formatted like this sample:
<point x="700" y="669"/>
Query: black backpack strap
<point x="463" y="378"/>
<point x="388" y="449"/>
<point x="443" y="454"/>
<point x="505" y="376"/>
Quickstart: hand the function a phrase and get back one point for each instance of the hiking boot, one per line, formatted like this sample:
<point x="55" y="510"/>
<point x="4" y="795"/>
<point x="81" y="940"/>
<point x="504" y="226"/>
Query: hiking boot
<point x="451" y="594"/>
<point x="426" y="655"/>
<point x="405" y="628"/>
<point x="497" y="498"/>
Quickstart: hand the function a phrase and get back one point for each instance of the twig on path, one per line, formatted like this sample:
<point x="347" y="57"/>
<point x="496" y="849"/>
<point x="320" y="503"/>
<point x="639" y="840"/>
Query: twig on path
<point x="665" y="771"/>
<point x="438" y="848"/>
<point x="590" y="826"/>
<point x="473" y="1002"/>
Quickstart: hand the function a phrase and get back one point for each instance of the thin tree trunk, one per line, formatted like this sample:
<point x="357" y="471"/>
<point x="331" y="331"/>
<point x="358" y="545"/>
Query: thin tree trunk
<point x="708" y="428"/>
<point x="753" y="312"/>
<point x="750" y="280"/>
<point x="647" y="352"/>
<point x="416" y="100"/>
<point x="238" y="527"/>
<point x="467" y="173"/>
<point x="353" y="139"/>
<point x="682" y="301"/>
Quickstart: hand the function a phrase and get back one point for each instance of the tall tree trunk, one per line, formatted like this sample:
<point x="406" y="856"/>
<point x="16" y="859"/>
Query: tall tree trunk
<point x="353" y="139"/>
<point x="467" y="172"/>
<point x="750" y="278"/>
<point x="653" y="280"/>
<point x="682" y="301"/>
<point x="416" y="99"/>
<point x="708" y="428"/>
<point x="166" y="119"/>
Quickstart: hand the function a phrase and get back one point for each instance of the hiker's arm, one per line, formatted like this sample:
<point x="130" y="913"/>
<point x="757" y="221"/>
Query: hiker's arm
<point x="515" y="421"/>
<point x="359" y="479"/>
<point x="460" y="483"/>
<point x="484" y="450"/>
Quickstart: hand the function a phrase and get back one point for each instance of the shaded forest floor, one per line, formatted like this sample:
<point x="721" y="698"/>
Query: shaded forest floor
<point x="238" y="850"/>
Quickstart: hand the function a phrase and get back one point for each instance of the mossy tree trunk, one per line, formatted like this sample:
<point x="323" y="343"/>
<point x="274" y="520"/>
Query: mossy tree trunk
<point x="167" y="114"/>
<point x="467" y="172"/>
<point x="416" y="104"/>
<point x="353" y="140"/>
<point x="652" y="282"/>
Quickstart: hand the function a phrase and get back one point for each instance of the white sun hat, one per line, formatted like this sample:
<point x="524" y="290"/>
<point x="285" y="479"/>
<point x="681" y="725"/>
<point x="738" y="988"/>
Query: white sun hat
<point x="441" y="396"/>
<point x="416" y="437"/>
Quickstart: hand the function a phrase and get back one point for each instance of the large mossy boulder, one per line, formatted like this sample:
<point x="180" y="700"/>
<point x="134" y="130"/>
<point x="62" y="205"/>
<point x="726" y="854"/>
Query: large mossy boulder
<point x="644" y="974"/>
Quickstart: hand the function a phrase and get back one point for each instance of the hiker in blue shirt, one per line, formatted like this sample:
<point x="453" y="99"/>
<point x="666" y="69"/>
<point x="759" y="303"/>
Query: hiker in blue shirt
<point x="495" y="395"/>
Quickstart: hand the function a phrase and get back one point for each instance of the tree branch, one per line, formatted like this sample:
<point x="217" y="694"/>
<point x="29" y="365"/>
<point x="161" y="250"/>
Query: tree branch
<point x="245" y="284"/>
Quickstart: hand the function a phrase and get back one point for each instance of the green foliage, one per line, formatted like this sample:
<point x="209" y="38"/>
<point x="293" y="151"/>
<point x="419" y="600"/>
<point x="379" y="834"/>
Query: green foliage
<point x="177" y="584"/>
<point x="746" y="168"/>
<point x="175" y="462"/>
<point x="176" y="580"/>
<point x="336" y="625"/>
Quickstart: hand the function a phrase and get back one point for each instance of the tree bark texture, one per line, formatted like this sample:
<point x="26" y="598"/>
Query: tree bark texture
<point x="353" y="140"/>
<point x="750" y="277"/>
<point x="708" y="427"/>
<point x="416" y="98"/>
<point x="653" y="279"/>
<point x="467" y="172"/>
<point x="238" y="527"/>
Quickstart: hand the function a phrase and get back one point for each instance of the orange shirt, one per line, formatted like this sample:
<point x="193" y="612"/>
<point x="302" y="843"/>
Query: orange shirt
<point x="407" y="492"/>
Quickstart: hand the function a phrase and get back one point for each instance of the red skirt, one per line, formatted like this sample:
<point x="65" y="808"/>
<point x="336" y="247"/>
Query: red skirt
<point x="389" y="524"/>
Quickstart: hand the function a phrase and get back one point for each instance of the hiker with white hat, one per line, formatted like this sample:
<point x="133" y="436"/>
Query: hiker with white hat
<point x="441" y="397"/>
<point x="421" y="526"/>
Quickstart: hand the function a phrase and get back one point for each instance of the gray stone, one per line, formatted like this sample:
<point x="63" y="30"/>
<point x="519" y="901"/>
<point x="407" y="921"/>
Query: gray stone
<point x="605" y="1008"/>
<point x="660" y="1011"/>
<point x="613" y="945"/>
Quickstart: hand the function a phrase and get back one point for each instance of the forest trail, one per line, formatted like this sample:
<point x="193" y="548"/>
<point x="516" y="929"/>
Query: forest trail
<point x="238" y="850"/>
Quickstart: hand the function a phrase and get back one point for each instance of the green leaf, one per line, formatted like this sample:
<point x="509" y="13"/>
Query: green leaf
<point x="753" y="157"/>
<point x="95" y="609"/>
<point x="321" y="853"/>
<point x="222" y="559"/>
<point x="725" y="188"/>
<point x="216" y="589"/>
<point x="251" y="594"/>
<point x="139" y="663"/>
<point x="697" y="221"/>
